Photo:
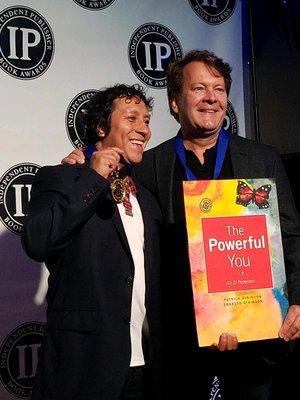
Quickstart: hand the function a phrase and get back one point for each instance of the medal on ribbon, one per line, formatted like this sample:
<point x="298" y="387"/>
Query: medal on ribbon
<point x="118" y="188"/>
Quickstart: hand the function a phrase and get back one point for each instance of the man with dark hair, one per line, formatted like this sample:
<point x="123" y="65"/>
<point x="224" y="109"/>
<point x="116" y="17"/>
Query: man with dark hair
<point x="98" y="110"/>
<point x="198" y="89"/>
<point x="96" y="229"/>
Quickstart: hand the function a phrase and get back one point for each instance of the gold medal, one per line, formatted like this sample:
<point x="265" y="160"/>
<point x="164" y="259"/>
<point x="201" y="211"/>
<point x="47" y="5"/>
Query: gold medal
<point x="118" y="188"/>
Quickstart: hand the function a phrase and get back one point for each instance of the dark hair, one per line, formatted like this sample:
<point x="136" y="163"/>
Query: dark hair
<point x="175" y="72"/>
<point x="99" y="108"/>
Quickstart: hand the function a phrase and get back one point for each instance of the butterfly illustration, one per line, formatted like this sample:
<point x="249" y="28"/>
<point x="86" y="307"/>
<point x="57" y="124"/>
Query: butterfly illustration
<point x="245" y="195"/>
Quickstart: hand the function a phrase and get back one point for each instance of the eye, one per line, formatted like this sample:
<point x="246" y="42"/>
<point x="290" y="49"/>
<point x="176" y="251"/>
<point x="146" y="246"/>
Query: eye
<point x="131" y="118"/>
<point x="220" y="89"/>
<point x="147" y="121"/>
<point x="198" y="88"/>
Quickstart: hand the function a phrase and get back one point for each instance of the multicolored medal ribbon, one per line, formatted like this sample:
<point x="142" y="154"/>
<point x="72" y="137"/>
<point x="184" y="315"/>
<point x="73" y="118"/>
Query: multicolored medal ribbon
<point x="121" y="184"/>
<point x="121" y="190"/>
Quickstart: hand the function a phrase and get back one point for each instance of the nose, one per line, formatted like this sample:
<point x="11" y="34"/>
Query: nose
<point x="209" y="96"/>
<point x="143" y="128"/>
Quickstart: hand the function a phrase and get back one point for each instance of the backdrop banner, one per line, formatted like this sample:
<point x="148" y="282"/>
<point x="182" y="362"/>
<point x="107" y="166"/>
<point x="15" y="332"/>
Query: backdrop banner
<point x="54" y="56"/>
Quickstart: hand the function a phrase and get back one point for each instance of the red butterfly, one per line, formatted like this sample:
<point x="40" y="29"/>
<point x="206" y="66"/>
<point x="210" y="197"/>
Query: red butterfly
<point x="259" y="196"/>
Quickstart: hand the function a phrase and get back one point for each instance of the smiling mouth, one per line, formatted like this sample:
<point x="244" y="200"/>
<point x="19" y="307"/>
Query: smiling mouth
<point x="137" y="142"/>
<point x="208" y="111"/>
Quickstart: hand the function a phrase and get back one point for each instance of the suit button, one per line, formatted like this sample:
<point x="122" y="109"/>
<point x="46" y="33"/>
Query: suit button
<point x="87" y="197"/>
<point x="127" y="320"/>
<point x="129" y="280"/>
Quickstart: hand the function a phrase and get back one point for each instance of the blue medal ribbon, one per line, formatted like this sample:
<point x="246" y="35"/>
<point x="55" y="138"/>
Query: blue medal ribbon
<point x="179" y="149"/>
<point x="89" y="151"/>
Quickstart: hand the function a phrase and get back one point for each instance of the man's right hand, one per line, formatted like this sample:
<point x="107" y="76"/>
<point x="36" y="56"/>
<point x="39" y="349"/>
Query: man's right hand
<point x="76" y="157"/>
<point x="104" y="161"/>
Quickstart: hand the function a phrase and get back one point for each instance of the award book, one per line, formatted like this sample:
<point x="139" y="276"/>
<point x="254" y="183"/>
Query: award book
<point x="236" y="258"/>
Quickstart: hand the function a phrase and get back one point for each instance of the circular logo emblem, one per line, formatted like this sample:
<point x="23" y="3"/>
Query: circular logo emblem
<point x="213" y="12"/>
<point x="94" y="4"/>
<point x="230" y="121"/>
<point x="74" y="124"/>
<point x="205" y="205"/>
<point x="151" y="47"/>
<point x="15" y="187"/>
<point x="26" y="43"/>
<point x="19" y="356"/>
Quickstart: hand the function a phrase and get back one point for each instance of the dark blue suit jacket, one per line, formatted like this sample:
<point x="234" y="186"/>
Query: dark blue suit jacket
<point x="74" y="226"/>
<point x="249" y="160"/>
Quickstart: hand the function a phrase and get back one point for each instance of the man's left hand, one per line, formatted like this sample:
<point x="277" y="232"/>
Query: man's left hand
<point x="227" y="341"/>
<point x="291" y="325"/>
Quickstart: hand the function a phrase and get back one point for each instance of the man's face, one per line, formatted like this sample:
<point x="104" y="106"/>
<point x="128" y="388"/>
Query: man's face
<point x="129" y="128"/>
<point x="201" y="105"/>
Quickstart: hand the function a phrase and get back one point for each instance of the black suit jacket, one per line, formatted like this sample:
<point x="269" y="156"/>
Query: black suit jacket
<point x="74" y="226"/>
<point x="249" y="160"/>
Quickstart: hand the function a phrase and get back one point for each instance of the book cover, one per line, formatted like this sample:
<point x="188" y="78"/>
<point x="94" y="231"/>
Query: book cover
<point x="236" y="258"/>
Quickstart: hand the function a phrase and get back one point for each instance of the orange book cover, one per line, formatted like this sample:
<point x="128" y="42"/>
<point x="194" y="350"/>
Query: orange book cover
<point x="236" y="258"/>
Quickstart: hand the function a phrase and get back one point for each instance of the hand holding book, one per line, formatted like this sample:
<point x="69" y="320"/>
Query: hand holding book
<point x="227" y="341"/>
<point x="290" y="329"/>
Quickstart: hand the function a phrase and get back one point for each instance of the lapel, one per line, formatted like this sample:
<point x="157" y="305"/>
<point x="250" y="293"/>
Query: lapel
<point x="165" y="167"/>
<point x="240" y="158"/>
<point x="117" y="222"/>
<point x="116" y="219"/>
<point x="145" y="209"/>
<point x="147" y="214"/>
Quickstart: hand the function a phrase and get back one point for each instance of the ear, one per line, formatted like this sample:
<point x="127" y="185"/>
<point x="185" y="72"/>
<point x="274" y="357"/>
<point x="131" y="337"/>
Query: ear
<point x="101" y="132"/>
<point x="174" y="106"/>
